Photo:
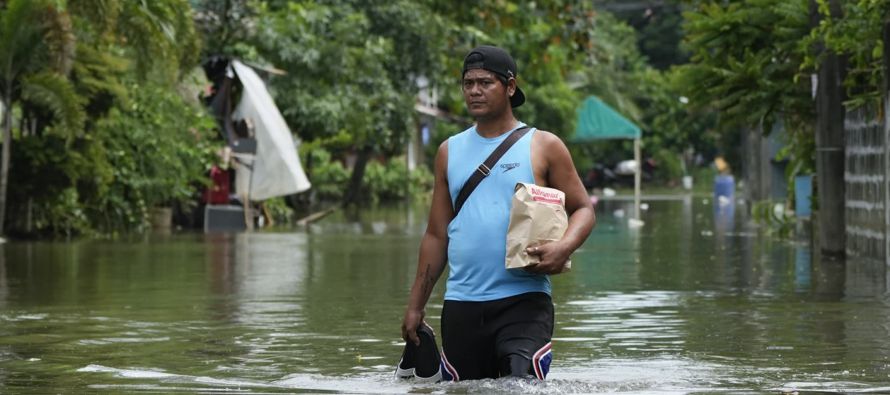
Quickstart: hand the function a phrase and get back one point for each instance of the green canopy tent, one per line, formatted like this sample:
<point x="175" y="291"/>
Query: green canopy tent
<point x="598" y="121"/>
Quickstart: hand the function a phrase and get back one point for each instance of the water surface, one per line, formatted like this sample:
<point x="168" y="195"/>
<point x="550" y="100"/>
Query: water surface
<point x="697" y="300"/>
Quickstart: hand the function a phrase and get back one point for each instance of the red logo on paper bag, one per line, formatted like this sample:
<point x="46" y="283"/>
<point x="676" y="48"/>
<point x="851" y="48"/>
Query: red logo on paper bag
<point x="540" y="195"/>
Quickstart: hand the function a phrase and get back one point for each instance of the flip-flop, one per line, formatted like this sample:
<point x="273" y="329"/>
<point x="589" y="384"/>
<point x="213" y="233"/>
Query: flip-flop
<point x="423" y="361"/>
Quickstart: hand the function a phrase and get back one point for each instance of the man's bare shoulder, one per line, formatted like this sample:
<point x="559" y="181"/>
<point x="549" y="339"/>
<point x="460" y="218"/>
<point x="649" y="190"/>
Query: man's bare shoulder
<point x="547" y="139"/>
<point x="442" y="151"/>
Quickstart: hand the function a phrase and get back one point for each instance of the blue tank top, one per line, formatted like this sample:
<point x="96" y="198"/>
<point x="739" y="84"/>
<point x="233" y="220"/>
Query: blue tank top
<point x="477" y="237"/>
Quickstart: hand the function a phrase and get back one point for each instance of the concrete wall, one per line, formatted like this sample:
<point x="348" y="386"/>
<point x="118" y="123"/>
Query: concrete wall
<point x="866" y="189"/>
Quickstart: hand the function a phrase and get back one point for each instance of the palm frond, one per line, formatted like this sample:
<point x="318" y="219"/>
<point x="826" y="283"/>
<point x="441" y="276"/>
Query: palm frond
<point x="100" y="72"/>
<point x="102" y="15"/>
<point x="54" y="92"/>
<point x="21" y="37"/>
<point x="160" y="33"/>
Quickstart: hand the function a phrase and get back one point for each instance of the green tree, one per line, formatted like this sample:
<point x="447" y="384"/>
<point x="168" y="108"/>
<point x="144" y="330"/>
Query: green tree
<point x="746" y="59"/>
<point x="552" y="42"/>
<point x="856" y="34"/>
<point x="351" y="65"/>
<point x="68" y="178"/>
<point x="351" y="72"/>
<point x="567" y="51"/>
<point x="659" y="30"/>
<point x="226" y="27"/>
<point x="156" y="151"/>
<point x="36" y="47"/>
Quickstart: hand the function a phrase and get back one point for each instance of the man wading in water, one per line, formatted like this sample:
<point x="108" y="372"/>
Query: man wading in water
<point x="495" y="322"/>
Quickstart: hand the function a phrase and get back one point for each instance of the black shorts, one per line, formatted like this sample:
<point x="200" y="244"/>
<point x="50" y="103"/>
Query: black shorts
<point x="497" y="338"/>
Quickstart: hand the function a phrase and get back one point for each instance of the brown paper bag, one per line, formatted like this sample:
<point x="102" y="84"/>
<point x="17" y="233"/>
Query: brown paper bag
<point x="538" y="216"/>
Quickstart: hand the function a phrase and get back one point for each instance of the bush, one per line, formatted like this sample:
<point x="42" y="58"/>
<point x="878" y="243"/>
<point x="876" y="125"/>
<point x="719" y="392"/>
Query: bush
<point x="669" y="167"/>
<point x="390" y="181"/>
<point x="421" y="182"/>
<point x="329" y="178"/>
<point x="159" y="149"/>
<point x="154" y="150"/>
<point x="278" y="209"/>
<point x="383" y="181"/>
<point x="63" y="214"/>
<point x="778" y="221"/>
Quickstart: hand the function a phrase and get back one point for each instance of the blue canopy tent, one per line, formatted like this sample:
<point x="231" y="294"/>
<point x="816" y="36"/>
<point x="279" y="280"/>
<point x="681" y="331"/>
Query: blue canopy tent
<point x="598" y="121"/>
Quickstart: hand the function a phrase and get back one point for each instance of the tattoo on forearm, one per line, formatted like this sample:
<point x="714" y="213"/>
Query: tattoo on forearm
<point x="428" y="280"/>
<point x="425" y="276"/>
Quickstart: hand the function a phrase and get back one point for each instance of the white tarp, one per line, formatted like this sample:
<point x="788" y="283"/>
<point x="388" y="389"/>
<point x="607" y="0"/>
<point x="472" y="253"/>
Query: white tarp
<point x="276" y="169"/>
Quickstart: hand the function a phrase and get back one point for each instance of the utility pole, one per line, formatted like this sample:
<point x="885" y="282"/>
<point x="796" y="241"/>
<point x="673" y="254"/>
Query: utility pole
<point x="830" y="166"/>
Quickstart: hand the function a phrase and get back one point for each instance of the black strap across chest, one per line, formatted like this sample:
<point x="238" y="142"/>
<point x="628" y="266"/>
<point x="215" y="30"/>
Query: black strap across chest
<point x="484" y="169"/>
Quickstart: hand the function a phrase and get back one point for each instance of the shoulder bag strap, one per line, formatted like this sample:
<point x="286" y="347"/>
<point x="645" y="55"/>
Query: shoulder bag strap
<point x="485" y="168"/>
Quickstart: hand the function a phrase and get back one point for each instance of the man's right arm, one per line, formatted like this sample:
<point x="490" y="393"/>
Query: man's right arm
<point x="433" y="248"/>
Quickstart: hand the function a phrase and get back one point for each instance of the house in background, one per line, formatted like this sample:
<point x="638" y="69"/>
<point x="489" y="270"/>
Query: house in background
<point x="260" y="147"/>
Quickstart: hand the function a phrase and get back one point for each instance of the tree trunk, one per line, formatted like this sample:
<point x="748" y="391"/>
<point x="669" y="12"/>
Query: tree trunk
<point x="830" y="150"/>
<point x="4" y="160"/>
<point x="354" y="189"/>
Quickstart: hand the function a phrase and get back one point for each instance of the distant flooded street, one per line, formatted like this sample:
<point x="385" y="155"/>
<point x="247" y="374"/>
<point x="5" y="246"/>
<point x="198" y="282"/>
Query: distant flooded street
<point x="697" y="300"/>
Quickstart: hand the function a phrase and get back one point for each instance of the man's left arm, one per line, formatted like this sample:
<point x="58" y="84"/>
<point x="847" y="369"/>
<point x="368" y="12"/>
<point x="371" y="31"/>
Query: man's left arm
<point x="561" y="174"/>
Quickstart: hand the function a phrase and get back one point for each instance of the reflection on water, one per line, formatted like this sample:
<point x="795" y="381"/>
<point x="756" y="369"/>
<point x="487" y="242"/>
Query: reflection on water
<point x="802" y="259"/>
<point x="696" y="300"/>
<point x="4" y="287"/>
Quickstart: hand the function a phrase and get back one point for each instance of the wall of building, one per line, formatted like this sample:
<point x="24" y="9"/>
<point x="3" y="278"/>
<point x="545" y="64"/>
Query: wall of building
<point x="865" y="186"/>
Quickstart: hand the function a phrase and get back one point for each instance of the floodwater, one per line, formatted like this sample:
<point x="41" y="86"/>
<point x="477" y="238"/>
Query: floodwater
<point x="697" y="300"/>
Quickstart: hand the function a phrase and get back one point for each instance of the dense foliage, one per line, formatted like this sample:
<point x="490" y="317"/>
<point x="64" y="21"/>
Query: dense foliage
<point x="855" y="33"/>
<point x="102" y="117"/>
<point x="102" y="133"/>
<point x="752" y="62"/>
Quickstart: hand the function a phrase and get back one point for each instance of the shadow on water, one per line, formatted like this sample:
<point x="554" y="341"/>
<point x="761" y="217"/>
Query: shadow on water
<point x="697" y="300"/>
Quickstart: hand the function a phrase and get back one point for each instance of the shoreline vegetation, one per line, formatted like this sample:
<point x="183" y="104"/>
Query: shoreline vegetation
<point x="105" y="119"/>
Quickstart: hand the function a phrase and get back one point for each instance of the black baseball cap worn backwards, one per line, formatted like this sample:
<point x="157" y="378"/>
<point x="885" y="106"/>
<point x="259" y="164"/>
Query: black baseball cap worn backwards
<point x="497" y="61"/>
